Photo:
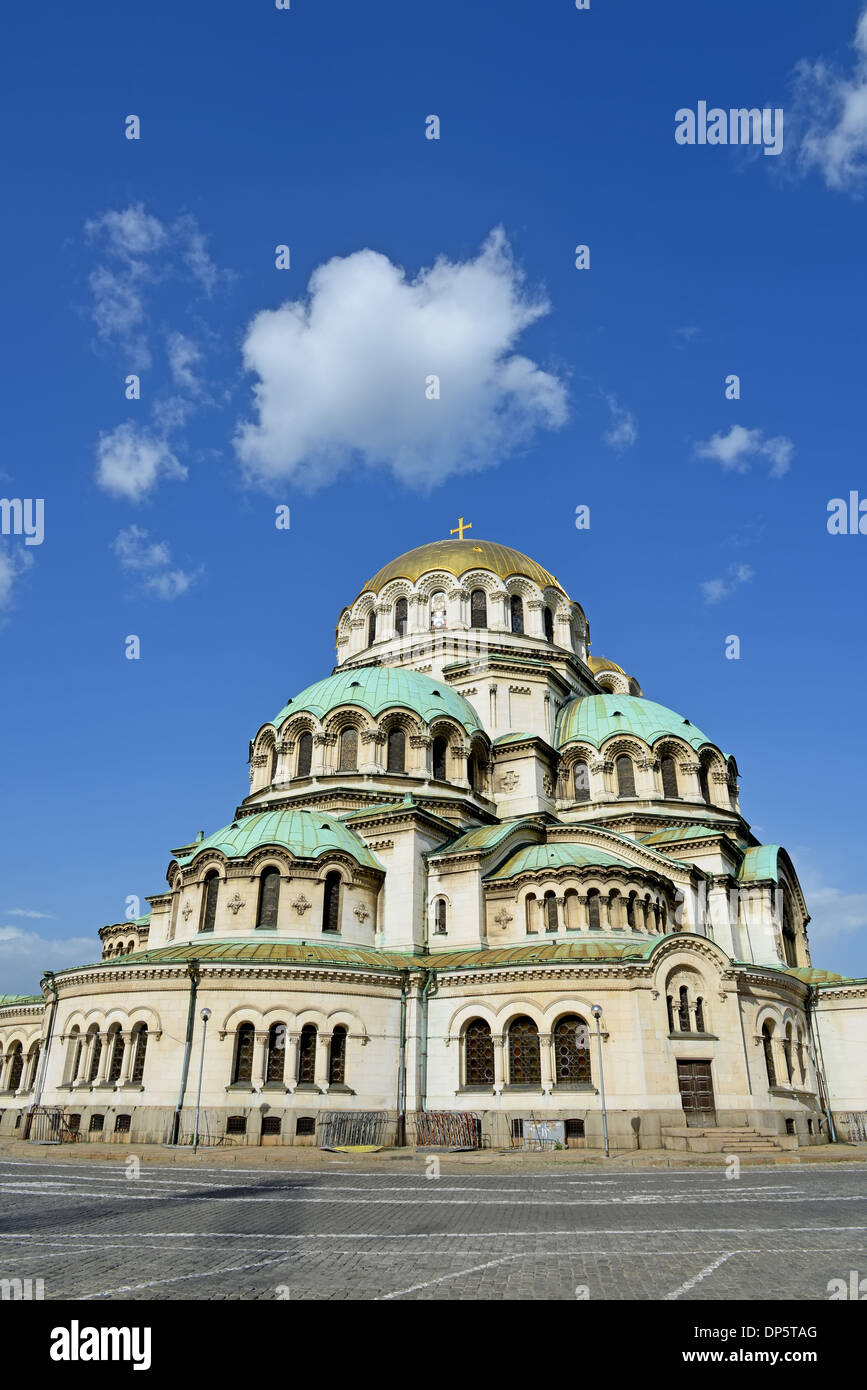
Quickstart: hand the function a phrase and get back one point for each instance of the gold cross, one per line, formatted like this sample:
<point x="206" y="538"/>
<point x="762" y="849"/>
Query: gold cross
<point x="461" y="527"/>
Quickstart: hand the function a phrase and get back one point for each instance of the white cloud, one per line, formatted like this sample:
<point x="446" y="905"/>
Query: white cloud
<point x="26" y="912"/>
<point x="25" y="956"/>
<point x="342" y="374"/>
<point x="13" y="564"/>
<point x="684" y="336"/>
<point x="153" y="562"/>
<point x="183" y="356"/>
<point x="624" y="430"/>
<point x="833" y="114"/>
<point x="141" y="251"/>
<point x="740" y="446"/>
<point x="131" y="462"/>
<point x="715" y="590"/>
<point x="833" y="911"/>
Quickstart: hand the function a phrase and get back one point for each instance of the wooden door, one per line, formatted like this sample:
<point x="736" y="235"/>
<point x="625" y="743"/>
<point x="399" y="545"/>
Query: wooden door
<point x="696" y="1093"/>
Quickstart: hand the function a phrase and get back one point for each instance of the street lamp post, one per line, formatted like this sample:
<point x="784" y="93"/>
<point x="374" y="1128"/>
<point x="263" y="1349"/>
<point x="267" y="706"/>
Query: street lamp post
<point x="597" y="1014"/>
<point x="205" y="1015"/>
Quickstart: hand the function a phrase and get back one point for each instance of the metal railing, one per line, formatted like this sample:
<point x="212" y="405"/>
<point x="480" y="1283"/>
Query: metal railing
<point x="339" y="1128"/>
<point x="448" y="1129"/>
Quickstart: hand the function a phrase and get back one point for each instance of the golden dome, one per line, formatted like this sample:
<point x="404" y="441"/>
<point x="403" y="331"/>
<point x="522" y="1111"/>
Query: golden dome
<point x="602" y="663"/>
<point x="456" y="557"/>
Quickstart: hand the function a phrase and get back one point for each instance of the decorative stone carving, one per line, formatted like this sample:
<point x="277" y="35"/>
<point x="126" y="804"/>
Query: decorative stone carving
<point x="548" y="784"/>
<point x="361" y="912"/>
<point x="503" y="918"/>
<point x="508" y="782"/>
<point x="301" y="905"/>
<point x="186" y="912"/>
<point x="236" y="903"/>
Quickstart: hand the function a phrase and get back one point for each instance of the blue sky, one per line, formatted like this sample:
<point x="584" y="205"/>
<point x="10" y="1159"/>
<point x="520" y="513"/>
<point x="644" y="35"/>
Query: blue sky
<point x="454" y="257"/>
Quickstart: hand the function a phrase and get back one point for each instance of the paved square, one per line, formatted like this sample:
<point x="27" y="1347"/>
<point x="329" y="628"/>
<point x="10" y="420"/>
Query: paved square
<point x="351" y="1233"/>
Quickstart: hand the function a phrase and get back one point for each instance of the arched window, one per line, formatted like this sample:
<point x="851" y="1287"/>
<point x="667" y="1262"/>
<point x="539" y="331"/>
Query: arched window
<point x="668" y="768"/>
<point x="630" y="912"/>
<point x="272" y="762"/>
<point x="663" y="916"/>
<point x="210" y="890"/>
<point x="625" y="773"/>
<point x="787" y="1052"/>
<point x="593" y="915"/>
<point x="571" y="1052"/>
<point x="117" y="1043"/>
<point x="269" y="896"/>
<point x="581" y="781"/>
<point x="474" y="776"/>
<point x="516" y="613"/>
<point x="305" y="755"/>
<point x="331" y="902"/>
<point x="440" y="751"/>
<point x="478" y="1054"/>
<point x="396" y="751"/>
<point x="683" y="1010"/>
<point x="670" y="1004"/>
<point x="95" y="1053"/>
<point x="16" y="1066"/>
<point x="371" y="627"/>
<point x="548" y="618"/>
<point x="337" y="1057"/>
<point x="699" y="1016"/>
<point x="478" y="608"/>
<point x="400" y="611"/>
<point x="525" y="1065"/>
<point x="614" y="905"/>
<point x="74" y="1055"/>
<point x="440" y="917"/>
<point x="530" y="910"/>
<point x="140" y="1043"/>
<point x="33" y="1058"/>
<point x="307" y="1055"/>
<point x="571" y="916"/>
<point x="790" y="947"/>
<point x="348" y="759"/>
<point x="703" y="780"/>
<point x="276" y="1053"/>
<point x="242" y="1069"/>
<point x="438" y="611"/>
<point x="551" y="922"/>
<point x="768" y="1048"/>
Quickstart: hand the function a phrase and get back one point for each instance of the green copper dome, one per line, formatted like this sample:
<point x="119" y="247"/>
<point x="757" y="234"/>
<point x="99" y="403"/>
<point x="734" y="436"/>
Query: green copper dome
<point x="308" y="834"/>
<point x="595" y="718"/>
<point x="538" y="858"/>
<point x="378" y="688"/>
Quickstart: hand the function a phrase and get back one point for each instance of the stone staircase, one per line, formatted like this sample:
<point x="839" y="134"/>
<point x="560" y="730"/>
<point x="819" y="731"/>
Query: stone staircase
<point x="728" y="1139"/>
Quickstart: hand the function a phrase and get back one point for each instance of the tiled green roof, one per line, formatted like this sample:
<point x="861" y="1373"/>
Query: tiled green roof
<point x="595" y="718"/>
<point x="479" y="840"/>
<point x="308" y="834"/>
<point x="810" y="976"/>
<point x="377" y="688"/>
<point x="677" y="833"/>
<point x="11" y="1001"/>
<point x="760" y="864"/>
<point x="513" y="738"/>
<point x="555" y="856"/>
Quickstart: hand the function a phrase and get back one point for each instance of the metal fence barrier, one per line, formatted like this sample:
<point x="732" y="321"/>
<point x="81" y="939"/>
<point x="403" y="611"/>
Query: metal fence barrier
<point x="853" y="1124"/>
<point x="448" y="1129"/>
<point x="350" y="1127"/>
<point x="48" y="1125"/>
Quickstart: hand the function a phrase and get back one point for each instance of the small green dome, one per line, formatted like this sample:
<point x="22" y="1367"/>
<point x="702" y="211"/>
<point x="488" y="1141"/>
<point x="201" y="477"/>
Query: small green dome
<point x="595" y="718"/>
<point x="538" y="858"/>
<point x="378" y="688"/>
<point x="308" y="834"/>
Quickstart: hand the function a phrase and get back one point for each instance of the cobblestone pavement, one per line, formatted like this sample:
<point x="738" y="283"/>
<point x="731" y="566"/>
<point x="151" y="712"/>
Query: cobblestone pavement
<point x="92" y="1232"/>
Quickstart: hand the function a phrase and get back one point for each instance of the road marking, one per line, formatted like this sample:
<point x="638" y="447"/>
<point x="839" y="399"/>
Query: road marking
<point x="702" y="1274"/>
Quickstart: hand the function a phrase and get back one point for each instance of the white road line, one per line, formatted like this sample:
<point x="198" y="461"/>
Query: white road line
<point x="179" y="1279"/>
<point x="582" y="1232"/>
<point x="702" y="1274"/>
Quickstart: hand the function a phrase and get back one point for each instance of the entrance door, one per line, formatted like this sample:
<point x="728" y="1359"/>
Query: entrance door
<point x="696" y="1093"/>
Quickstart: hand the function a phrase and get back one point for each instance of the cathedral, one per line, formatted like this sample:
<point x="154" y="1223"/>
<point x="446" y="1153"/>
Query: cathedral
<point x="481" y="891"/>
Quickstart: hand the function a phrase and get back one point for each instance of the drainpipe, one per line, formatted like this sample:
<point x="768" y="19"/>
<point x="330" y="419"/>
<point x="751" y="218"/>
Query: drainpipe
<point x="812" y="1000"/>
<point x="193" y="972"/>
<point x="50" y="984"/>
<point x="400" y="1137"/>
<point x="430" y="980"/>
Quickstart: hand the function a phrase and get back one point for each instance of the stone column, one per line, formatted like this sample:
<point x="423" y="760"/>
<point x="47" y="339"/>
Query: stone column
<point x="290" y="1062"/>
<point x="5" y="1064"/>
<point x="323" y="1053"/>
<point x="547" y="1062"/>
<point x="260" y="1059"/>
<point x="126" y="1064"/>
<point x="499" y="1062"/>
<point x="534" y="623"/>
<point x="104" y="1060"/>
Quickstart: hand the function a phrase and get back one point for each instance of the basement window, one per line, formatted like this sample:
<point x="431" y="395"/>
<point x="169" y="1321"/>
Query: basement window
<point x="236" y="1124"/>
<point x="96" y="1125"/>
<point x="790" y="1126"/>
<point x="271" y="1124"/>
<point x="306" y="1124"/>
<point x="574" y="1129"/>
